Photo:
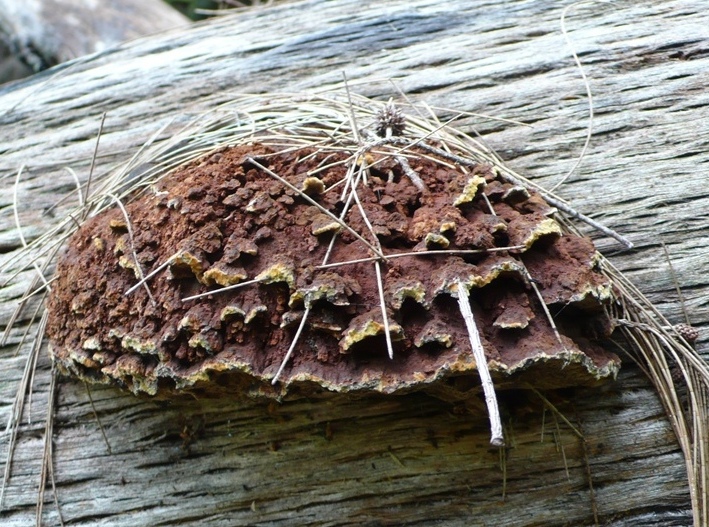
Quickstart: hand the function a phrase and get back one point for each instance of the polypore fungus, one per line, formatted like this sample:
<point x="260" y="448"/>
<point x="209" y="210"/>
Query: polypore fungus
<point x="343" y="254"/>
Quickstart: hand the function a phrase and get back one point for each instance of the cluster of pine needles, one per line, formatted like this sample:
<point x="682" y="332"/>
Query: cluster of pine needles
<point x="343" y="122"/>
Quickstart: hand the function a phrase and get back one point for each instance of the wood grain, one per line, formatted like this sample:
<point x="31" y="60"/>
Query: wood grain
<point x="408" y="460"/>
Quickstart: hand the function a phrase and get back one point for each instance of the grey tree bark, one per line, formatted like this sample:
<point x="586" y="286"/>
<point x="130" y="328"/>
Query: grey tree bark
<point x="409" y="460"/>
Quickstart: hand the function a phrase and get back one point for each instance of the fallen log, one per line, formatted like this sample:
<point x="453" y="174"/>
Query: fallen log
<point x="381" y="461"/>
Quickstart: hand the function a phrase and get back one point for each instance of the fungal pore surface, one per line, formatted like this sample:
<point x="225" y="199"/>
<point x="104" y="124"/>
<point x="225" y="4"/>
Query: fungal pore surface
<point x="312" y="243"/>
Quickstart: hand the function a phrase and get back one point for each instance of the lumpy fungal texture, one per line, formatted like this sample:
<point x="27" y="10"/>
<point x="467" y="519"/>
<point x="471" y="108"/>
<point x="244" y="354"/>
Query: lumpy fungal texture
<point x="223" y="220"/>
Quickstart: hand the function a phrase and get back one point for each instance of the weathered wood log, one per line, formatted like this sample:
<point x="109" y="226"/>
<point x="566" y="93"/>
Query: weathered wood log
<point x="383" y="461"/>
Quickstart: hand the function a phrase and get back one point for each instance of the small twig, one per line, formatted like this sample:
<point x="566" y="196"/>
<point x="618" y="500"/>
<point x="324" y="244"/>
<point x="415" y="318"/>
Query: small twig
<point x="292" y="345"/>
<point x="151" y="274"/>
<point x="496" y="436"/>
<point x="385" y="317"/>
<point x="411" y="173"/>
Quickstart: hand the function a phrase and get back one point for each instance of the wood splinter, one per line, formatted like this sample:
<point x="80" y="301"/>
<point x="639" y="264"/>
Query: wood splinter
<point x="496" y="437"/>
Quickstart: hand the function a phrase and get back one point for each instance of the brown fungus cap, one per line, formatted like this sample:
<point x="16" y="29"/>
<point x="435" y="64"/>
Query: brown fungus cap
<point x="225" y="220"/>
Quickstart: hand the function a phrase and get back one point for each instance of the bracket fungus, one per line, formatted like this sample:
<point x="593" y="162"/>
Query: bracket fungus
<point x="303" y="256"/>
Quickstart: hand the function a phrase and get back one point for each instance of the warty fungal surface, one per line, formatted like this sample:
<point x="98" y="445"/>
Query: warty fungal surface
<point x="328" y="255"/>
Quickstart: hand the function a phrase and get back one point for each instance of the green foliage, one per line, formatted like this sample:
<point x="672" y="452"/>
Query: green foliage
<point x="200" y="9"/>
<point x="189" y="7"/>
